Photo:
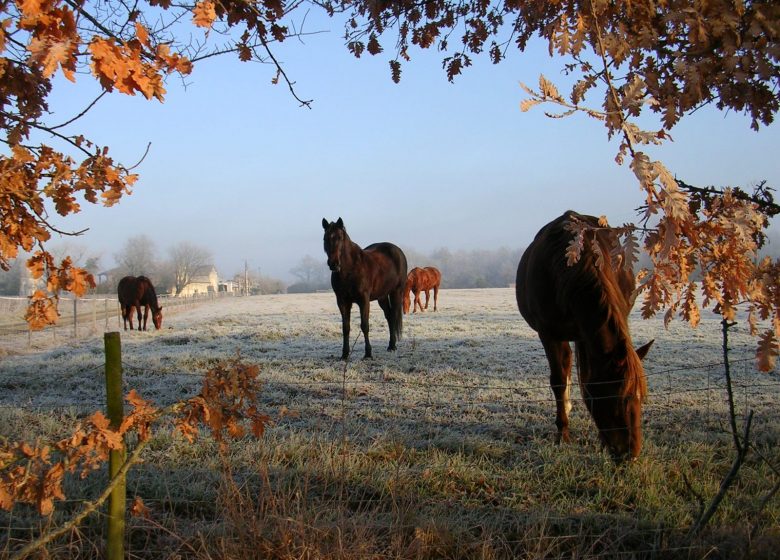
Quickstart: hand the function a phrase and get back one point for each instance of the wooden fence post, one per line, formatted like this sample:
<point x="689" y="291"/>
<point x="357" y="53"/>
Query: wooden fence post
<point x="115" y="548"/>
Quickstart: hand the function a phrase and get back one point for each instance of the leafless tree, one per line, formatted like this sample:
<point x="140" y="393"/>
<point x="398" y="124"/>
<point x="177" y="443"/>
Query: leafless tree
<point x="137" y="257"/>
<point x="311" y="271"/>
<point x="187" y="260"/>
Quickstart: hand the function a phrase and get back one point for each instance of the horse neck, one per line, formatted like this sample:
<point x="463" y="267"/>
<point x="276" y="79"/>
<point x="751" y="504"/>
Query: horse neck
<point x="150" y="297"/>
<point x="350" y="254"/>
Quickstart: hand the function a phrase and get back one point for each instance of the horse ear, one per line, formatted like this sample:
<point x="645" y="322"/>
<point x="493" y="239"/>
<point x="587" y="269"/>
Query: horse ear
<point x="324" y="223"/>
<point x="642" y="350"/>
<point x="340" y="223"/>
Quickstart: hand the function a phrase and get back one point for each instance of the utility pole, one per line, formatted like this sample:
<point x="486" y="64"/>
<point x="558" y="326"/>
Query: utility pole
<point x="246" y="278"/>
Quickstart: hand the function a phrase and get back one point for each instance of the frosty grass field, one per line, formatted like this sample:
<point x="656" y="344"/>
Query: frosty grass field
<point x="458" y="424"/>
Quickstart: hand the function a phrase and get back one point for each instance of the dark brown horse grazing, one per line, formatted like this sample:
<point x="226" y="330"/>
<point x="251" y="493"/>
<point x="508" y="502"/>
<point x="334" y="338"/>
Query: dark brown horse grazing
<point x="360" y="276"/>
<point x="588" y="304"/>
<point x="422" y="280"/>
<point x="137" y="293"/>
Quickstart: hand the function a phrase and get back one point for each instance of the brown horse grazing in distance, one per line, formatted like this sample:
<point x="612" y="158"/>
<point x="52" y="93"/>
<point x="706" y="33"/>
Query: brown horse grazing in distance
<point x="360" y="276"/>
<point x="422" y="280"/>
<point x="137" y="293"/>
<point x="588" y="304"/>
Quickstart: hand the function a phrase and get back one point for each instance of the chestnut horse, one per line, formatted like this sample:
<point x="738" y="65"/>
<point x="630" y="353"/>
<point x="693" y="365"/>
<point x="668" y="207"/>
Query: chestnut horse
<point x="360" y="276"/>
<point x="136" y="293"/>
<point x="587" y="303"/>
<point x="422" y="280"/>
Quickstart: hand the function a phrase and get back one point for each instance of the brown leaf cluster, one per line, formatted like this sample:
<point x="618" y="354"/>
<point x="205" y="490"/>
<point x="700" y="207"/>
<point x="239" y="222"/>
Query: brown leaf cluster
<point x="38" y="40"/>
<point x="227" y="401"/>
<point x="127" y="48"/>
<point x="715" y="239"/>
<point x="34" y="474"/>
<point x="680" y="53"/>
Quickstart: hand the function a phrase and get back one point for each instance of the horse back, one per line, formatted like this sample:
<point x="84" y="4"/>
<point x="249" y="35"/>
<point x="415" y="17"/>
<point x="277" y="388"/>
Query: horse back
<point x="145" y="292"/>
<point x="126" y="290"/>
<point x="564" y="301"/>
<point x="385" y="267"/>
<point x="433" y="276"/>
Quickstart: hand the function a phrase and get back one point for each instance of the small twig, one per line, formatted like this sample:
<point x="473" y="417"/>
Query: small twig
<point x="742" y="447"/>
<point x="304" y="103"/>
<point x="765" y="203"/>
<point x="81" y="114"/>
<point x="140" y="161"/>
<point x="730" y="478"/>
<point x="699" y="497"/>
<point x="764" y="502"/>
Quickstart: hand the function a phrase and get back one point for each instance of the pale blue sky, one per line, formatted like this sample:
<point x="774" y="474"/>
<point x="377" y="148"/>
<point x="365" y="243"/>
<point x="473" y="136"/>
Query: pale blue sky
<point x="238" y="167"/>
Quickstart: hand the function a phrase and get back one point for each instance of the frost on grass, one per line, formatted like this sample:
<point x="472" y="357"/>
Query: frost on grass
<point x="474" y="367"/>
<point x="458" y="421"/>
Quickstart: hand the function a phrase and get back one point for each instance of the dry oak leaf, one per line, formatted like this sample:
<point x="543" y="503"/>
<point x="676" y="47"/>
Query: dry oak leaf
<point x="767" y="351"/>
<point x="204" y="14"/>
<point x="139" y="509"/>
<point x="41" y="311"/>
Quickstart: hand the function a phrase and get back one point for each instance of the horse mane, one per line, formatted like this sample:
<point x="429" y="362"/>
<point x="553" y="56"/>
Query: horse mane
<point x="149" y="293"/>
<point x="607" y="304"/>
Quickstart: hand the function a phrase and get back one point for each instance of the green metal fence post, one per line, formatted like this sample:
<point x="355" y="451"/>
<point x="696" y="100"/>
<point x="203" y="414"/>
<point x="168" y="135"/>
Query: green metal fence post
<point x="116" y="503"/>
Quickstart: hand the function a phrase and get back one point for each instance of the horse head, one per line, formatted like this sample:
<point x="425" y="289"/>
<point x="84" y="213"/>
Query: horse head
<point x="614" y="395"/>
<point x="157" y="318"/>
<point x="335" y="239"/>
<point x="407" y="299"/>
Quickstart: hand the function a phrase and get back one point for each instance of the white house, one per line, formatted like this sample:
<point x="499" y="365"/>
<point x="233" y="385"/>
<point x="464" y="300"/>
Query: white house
<point x="204" y="281"/>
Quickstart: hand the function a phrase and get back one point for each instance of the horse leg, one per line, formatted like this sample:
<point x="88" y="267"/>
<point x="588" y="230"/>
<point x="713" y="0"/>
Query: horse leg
<point x="427" y="297"/>
<point x="559" y="357"/>
<point x="138" y="314"/>
<point x="345" y="307"/>
<point x="365" y="305"/>
<point x="387" y="307"/>
<point x="130" y="311"/>
<point x="146" y="315"/>
<point x="123" y="309"/>
<point x="435" y="297"/>
<point x="417" y="302"/>
<point x="396" y="298"/>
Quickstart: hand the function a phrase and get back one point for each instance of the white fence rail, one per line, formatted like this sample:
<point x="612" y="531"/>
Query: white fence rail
<point x="86" y="315"/>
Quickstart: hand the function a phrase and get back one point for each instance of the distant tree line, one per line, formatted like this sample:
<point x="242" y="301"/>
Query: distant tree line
<point x="482" y="268"/>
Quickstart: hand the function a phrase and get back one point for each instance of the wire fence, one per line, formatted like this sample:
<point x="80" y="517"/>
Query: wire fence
<point x="86" y="316"/>
<point x="357" y="406"/>
<point x="669" y="388"/>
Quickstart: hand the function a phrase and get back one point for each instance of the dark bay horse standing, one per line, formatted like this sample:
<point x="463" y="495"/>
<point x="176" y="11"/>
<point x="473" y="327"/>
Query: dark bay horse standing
<point x="360" y="276"/>
<point x="587" y="304"/>
<point x="137" y="293"/>
<point x="422" y="280"/>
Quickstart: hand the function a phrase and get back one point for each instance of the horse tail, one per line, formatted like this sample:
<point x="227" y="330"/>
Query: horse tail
<point x="398" y="311"/>
<point x="583" y="365"/>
